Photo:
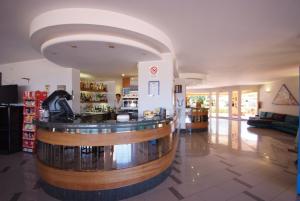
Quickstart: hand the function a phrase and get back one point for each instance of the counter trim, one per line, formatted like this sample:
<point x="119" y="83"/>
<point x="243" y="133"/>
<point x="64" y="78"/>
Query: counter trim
<point x="102" y="139"/>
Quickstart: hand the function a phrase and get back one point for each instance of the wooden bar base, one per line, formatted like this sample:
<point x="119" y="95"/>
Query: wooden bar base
<point x="105" y="195"/>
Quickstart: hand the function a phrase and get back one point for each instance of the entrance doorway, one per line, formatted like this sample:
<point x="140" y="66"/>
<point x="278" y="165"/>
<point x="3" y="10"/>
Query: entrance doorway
<point x="235" y="104"/>
<point x="249" y="104"/>
<point x="213" y="109"/>
<point x="223" y="104"/>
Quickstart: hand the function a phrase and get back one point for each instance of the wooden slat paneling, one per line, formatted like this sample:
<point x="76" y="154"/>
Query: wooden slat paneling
<point x="103" y="180"/>
<point x="197" y="125"/>
<point x="200" y="113"/>
<point x="126" y="82"/>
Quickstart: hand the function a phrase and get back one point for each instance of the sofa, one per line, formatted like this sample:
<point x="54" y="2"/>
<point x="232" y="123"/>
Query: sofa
<point x="282" y="122"/>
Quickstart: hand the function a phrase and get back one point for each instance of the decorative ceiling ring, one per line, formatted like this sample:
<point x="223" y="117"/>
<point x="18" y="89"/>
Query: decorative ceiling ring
<point x="77" y="21"/>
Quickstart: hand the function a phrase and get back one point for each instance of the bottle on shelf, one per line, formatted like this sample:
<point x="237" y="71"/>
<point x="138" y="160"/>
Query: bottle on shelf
<point x="86" y="97"/>
<point x="92" y="86"/>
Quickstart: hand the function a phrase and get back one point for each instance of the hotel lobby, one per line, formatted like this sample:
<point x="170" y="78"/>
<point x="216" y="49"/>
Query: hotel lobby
<point x="149" y="100"/>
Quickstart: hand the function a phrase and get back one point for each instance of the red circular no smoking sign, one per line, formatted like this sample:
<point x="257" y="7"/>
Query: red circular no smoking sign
<point x="153" y="70"/>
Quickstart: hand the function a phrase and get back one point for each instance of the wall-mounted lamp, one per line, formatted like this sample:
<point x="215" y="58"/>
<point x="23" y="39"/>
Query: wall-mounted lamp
<point x="268" y="89"/>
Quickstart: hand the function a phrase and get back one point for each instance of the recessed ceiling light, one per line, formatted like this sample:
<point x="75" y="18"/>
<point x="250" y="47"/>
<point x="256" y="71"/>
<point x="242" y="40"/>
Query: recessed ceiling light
<point x="73" y="46"/>
<point x="123" y="74"/>
<point x="111" y="46"/>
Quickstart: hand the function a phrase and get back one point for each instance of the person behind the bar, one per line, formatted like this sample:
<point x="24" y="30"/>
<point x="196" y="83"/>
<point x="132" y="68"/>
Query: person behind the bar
<point x="118" y="103"/>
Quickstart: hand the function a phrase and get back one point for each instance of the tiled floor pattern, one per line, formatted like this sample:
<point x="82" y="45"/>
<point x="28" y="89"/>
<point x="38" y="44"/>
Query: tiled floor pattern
<point x="237" y="163"/>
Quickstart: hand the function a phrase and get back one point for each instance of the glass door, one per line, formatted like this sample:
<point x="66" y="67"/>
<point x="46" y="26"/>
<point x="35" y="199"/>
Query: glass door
<point x="235" y="104"/>
<point x="213" y="103"/>
<point x="249" y="104"/>
<point x="223" y="104"/>
<point x="200" y="98"/>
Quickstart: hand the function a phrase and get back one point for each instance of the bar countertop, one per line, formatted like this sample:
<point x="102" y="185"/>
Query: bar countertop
<point x="88" y="122"/>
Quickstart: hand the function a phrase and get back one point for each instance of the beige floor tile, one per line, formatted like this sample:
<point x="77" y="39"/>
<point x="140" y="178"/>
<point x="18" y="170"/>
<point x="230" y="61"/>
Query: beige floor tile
<point x="203" y="176"/>
<point x="268" y="190"/>
<point x="159" y="195"/>
<point x="214" y="194"/>
<point x="241" y="197"/>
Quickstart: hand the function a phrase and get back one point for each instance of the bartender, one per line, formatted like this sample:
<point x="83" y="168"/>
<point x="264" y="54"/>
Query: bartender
<point x="118" y="103"/>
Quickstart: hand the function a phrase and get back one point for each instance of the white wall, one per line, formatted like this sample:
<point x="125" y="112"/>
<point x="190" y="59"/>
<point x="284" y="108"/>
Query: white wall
<point x="166" y="78"/>
<point x="41" y="72"/>
<point x="76" y="90"/>
<point x="266" y="98"/>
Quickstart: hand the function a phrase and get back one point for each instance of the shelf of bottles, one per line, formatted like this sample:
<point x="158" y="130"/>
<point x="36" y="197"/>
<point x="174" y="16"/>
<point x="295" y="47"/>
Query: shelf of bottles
<point x="93" y="92"/>
<point x="32" y="106"/>
<point x="93" y="96"/>
<point x="92" y="86"/>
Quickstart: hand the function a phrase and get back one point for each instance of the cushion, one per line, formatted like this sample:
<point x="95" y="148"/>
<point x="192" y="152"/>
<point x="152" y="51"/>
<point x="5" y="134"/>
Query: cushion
<point x="259" y="122"/>
<point x="262" y="115"/>
<point x="269" y="115"/>
<point x="278" y="123"/>
<point x="278" y="117"/>
<point x="292" y="119"/>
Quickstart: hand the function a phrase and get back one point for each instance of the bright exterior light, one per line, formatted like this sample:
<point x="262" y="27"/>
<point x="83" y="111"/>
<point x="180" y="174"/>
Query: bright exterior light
<point x="85" y="75"/>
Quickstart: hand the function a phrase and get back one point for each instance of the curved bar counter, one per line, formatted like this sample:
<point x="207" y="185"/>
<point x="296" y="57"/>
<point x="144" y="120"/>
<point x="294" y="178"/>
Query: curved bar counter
<point x="85" y="157"/>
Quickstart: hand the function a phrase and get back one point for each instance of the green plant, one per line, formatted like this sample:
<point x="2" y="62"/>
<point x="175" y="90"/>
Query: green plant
<point x="197" y="99"/>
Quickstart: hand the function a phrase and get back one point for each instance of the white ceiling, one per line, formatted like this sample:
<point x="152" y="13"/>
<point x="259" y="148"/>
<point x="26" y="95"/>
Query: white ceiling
<point x="96" y="57"/>
<point x="233" y="42"/>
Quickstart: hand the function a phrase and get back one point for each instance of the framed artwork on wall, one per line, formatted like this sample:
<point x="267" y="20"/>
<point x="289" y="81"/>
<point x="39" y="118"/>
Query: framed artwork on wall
<point x="284" y="97"/>
<point x="153" y="88"/>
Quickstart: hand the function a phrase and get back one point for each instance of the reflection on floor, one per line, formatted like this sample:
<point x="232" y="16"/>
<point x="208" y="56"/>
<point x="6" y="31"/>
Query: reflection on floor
<point x="231" y="162"/>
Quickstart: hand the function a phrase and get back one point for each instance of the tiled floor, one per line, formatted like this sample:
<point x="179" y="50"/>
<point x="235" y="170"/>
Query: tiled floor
<point x="231" y="162"/>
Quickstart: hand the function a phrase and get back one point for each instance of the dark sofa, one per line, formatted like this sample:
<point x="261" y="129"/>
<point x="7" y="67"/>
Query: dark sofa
<point x="282" y="122"/>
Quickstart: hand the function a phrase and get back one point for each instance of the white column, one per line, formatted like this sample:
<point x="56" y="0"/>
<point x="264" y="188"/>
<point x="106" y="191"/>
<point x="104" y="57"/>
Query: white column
<point x="180" y="102"/>
<point x="210" y="101"/>
<point x="230" y="103"/>
<point x="165" y="77"/>
<point x="217" y="104"/>
<point x="239" y="103"/>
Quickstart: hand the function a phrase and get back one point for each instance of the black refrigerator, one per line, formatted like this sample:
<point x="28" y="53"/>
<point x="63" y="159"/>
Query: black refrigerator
<point x="11" y="121"/>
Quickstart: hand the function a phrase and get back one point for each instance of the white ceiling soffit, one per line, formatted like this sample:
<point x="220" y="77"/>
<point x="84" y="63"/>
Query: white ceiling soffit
<point x="199" y="76"/>
<point x="82" y="21"/>
<point x="192" y="79"/>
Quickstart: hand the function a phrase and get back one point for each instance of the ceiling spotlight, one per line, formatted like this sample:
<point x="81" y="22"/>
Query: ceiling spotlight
<point x="123" y="74"/>
<point x="73" y="46"/>
<point x="111" y="46"/>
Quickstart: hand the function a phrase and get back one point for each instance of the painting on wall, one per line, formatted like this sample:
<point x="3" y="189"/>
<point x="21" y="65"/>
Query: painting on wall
<point x="284" y="97"/>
